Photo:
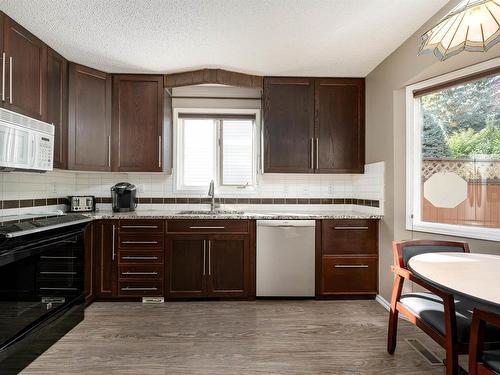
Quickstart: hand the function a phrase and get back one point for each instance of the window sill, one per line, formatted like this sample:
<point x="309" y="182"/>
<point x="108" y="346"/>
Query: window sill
<point x="480" y="233"/>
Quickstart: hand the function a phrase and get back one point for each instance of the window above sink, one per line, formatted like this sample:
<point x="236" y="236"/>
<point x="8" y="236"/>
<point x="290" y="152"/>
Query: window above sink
<point x="215" y="144"/>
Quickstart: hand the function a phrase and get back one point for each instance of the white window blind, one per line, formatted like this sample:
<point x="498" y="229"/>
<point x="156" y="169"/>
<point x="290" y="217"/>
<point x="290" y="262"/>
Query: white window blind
<point x="237" y="151"/>
<point x="198" y="152"/>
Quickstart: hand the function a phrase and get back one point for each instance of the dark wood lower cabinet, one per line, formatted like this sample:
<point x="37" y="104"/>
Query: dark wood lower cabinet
<point x="89" y="269"/>
<point x="346" y="258"/>
<point x="106" y="260"/>
<point x="228" y="266"/>
<point x="186" y="266"/>
<point x="201" y="263"/>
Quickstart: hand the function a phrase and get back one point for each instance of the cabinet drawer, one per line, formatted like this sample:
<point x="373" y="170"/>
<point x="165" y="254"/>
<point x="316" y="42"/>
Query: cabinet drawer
<point x="140" y="288"/>
<point x="139" y="257"/>
<point x="207" y="226"/>
<point x="141" y="271"/>
<point x="140" y="241"/>
<point x="349" y="275"/>
<point x="142" y="226"/>
<point x="349" y="237"/>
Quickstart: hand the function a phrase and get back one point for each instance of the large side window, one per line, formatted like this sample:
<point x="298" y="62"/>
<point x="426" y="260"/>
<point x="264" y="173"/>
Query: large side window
<point x="454" y="157"/>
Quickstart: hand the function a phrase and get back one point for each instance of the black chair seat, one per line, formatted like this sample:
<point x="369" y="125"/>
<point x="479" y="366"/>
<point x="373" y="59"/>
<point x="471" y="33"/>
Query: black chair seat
<point x="430" y="309"/>
<point x="492" y="359"/>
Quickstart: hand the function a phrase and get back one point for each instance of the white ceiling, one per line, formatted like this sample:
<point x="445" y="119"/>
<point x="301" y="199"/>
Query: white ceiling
<point x="266" y="37"/>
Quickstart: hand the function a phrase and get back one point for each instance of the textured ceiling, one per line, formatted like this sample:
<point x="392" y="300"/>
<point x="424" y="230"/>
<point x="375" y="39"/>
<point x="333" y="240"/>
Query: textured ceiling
<point x="267" y="37"/>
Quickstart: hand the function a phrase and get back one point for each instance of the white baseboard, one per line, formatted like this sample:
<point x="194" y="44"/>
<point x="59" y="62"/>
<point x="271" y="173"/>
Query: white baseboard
<point x="385" y="304"/>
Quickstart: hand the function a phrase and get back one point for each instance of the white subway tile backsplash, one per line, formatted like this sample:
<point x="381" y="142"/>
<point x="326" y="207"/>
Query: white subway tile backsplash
<point x="370" y="185"/>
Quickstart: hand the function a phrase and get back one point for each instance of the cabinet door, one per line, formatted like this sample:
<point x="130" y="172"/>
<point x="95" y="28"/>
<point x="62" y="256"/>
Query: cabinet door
<point x="89" y="123"/>
<point x="340" y="125"/>
<point x="137" y="123"/>
<point x="228" y="266"/>
<point x="25" y="71"/>
<point x="57" y="104"/>
<point x="89" y="269"/>
<point x="186" y="266"/>
<point x="288" y="125"/>
<point x="106" y="260"/>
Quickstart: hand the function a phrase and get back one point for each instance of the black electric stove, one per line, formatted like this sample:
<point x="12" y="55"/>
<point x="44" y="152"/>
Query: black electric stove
<point x="41" y="285"/>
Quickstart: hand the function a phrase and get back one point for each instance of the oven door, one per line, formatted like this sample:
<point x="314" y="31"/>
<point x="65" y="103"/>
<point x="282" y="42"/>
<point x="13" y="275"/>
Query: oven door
<point x="17" y="147"/>
<point x="37" y="280"/>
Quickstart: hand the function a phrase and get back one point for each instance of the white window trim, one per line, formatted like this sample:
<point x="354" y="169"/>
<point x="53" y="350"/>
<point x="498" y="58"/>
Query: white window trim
<point x="177" y="158"/>
<point x="414" y="161"/>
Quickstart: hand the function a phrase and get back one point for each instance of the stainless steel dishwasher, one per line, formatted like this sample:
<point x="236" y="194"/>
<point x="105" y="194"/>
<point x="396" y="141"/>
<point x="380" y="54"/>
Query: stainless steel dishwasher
<point x="285" y="258"/>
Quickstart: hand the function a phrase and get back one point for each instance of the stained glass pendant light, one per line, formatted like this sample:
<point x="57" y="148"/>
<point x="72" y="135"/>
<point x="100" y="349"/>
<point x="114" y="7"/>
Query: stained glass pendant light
<point x="473" y="25"/>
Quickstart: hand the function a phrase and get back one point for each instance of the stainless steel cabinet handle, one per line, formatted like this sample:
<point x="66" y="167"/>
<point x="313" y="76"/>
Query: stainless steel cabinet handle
<point x="159" y="151"/>
<point x="57" y="273"/>
<point x="139" y="258"/>
<point x="140" y="226"/>
<point x="206" y="227"/>
<point x="113" y="254"/>
<point x="139" y="288"/>
<point x="3" y="76"/>
<point x="139" y="242"/>
<point x="209" y="257"/>
<point x="317" y="153"/>
<point x="47" y="288"/>
<point x="350" y="228"/>
<point x="56" y="257"/>
<point x="351" y="266"/>
<point x="204" y="257"/>
<point x="312" y="153"/>
<point x="11" y="94"/>
<point x="109" y="151"/>
<point x="139" y="273"/>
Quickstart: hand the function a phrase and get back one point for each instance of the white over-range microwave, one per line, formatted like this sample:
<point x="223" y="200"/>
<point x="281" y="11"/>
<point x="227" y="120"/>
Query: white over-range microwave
<point x="25" y="143"/>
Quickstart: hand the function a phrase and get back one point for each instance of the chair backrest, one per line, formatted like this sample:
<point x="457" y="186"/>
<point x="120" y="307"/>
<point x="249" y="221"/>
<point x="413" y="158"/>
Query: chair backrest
<point x="405" y="250"/>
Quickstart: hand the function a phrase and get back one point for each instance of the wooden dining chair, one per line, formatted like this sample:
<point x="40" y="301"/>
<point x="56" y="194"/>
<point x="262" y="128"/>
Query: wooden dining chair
<point x="481" y="361"/>
<point x="434" y="312"/>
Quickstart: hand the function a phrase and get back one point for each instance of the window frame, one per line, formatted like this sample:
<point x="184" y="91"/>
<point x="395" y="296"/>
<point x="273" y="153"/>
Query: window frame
<point x="178" y="149"/>
<point x="414" y="159"/>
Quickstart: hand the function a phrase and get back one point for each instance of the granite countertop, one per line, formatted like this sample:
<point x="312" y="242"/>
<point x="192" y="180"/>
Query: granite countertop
<point x="250" y="215"/>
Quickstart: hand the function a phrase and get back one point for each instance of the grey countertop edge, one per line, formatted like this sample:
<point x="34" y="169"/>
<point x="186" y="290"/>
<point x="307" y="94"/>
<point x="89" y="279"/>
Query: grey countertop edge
<point x="245" y="216"/>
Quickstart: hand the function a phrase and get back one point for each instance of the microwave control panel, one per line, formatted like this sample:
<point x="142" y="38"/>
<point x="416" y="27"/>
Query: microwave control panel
<point x="44" y="151"/>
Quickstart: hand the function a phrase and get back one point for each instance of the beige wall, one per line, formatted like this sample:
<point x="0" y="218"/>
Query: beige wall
<point x="385" y="133"/>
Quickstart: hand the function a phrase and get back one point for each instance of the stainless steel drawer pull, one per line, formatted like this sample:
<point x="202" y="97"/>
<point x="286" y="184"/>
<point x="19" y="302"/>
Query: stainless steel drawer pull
<point x="139" y="273"/>
<point x="58" y="288"/>
<point x="139" y="258"/>
<point x="351" y="266"/>
<point x="206" y="227"/>
<point x="57" y="273"/>
<point x="139" y="288"/>
<point x="350" y="228"/>
<point x="56" y="257"/>
<point x="139" y="242"/>
<point x="140" y="226"/>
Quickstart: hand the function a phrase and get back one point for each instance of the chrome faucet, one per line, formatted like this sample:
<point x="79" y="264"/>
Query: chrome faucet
<point x="211" y="194"/>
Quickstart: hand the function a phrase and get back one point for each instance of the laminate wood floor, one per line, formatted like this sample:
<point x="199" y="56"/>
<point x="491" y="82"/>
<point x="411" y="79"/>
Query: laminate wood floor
<point x="240" y="337"/>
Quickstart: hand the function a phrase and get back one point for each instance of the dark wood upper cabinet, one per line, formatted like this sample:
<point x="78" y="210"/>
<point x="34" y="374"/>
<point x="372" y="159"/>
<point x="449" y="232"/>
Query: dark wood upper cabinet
<point x="25" y="70"/>
<point x="339" y="125"/>
<point x="137" y="123"/>
<point x="288" y="125"/>
<point x="314" y="125"/>
<point x="89" y="122"/>
<point x="57" y="104"/>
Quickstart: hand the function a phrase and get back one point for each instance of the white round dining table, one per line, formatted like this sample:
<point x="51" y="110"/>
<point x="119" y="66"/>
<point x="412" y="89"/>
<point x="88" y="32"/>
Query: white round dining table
<point x="471" y="275"/>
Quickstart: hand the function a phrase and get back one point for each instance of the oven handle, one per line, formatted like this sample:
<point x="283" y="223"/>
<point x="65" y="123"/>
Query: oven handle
<point x="69" y="238"/>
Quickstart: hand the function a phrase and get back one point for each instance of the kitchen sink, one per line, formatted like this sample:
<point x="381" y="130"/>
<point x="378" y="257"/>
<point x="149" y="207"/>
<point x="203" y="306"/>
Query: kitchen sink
<point x="214" y="212"/>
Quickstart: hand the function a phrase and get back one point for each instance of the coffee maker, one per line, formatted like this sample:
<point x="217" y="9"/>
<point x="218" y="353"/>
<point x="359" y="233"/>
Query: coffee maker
<point x="124" y="197"/>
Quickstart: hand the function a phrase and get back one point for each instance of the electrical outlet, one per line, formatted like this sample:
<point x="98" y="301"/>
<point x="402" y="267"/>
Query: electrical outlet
<point x="330" y="190"/>
<point x="53" y="187"/>
<point x="142" y="188"/>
